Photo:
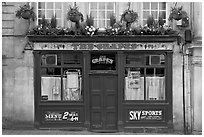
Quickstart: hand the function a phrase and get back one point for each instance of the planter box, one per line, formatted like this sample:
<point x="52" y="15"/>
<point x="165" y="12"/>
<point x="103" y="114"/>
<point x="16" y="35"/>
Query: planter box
<point x="119" y="38"/>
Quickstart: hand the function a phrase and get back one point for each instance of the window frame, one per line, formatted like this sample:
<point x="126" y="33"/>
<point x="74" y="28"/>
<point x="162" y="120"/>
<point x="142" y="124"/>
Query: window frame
<point x="98" y="10"/>
<point x="158" y="10"/>
<point x="62" y="66"/>
<point x="54" y="10"/>
<point x="166" y="70"/>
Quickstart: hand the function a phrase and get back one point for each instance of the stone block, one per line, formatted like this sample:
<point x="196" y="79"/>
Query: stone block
<point x="8" y="24"/>
<point x="8" y="17"/>
<point x="7" y="46"/>
<point x="7" y="31"/>
<point x="8" y="9"/>
<point x="19" y="44"/>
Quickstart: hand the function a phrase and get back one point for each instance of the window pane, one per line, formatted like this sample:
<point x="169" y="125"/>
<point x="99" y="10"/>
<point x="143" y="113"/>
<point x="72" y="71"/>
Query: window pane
<point x="109" y="13"/>
<point x="58" y="5"/>
<point x="162" y="14"/>
<point x="93" y="5"/>
<point x="49" y="5"/>
<point x="155" y="88"/>
<point x="135" y="60"/>
<point x="102" y="14"/>
<point x="50" y="84"/>
<point x="101" y="23"/>
<point x="110" y="5"/>
<point x="94" y="14"/>
<point x="72" y="84"/>
<point x="101" y="5"/>
<point x="155" y="59"/>
<point x="58" y="14"/>
<point x="41" y="5"/>
<point x="162" y="6"/>
<point x="154" y="5"/>
<point x="134" y="83"/>
<point x="72" y="59"/>
<point x="51" y="59"/>
<point x="49" y="14"/>
<point x="146" y="5"/>
<point x="146" y="14"/>
<point x="41" y="13"/>
<point x="155" y="15"/>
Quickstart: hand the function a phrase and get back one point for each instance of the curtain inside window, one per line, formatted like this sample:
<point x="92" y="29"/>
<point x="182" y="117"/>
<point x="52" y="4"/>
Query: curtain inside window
<point x="72" y="87"/>
<point x="155" y="87"/>
<point x="51" y="87"/>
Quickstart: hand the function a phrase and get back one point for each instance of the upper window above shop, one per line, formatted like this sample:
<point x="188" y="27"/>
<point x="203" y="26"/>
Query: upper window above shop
<point x="101" y="12"/>
<point x="49" y="9"/>
<point x="156" y="9"/>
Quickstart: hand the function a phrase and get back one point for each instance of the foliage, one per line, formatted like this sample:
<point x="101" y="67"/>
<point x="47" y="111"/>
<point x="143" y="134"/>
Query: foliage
<point x="112" y="20"/>
<point x="74" y="15"/>
<point x="177" y="13"/>
<point x="89" y="20"/>
<point x="129" y="16"/>
<point x="53" y="22"/>
<point x="26" y="12"/>
<point x="150" y="21"/>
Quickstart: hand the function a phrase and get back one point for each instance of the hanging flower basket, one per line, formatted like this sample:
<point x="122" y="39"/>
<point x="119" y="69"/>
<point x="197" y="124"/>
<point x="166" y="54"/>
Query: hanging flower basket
<point x="74" y="15"/>
<point x="177" y="13"/>
<point x="26" y="12"/>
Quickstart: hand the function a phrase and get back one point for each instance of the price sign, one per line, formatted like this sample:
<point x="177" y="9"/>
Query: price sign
<point x="70" y="116"/>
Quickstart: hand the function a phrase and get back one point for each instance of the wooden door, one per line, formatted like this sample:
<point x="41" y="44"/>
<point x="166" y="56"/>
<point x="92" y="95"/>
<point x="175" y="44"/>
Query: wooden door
<point x="103" y="103"/>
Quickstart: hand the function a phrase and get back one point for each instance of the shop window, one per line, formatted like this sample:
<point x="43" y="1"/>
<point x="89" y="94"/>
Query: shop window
<point x="155" y="9"/>
<point x="103" y="62"/>
<point x="61" y="77"/>
<point x="49" y="9"/>
<point x="72" y="84"/>
<point x="101" y="12"/>
<point x="145" y="77"/>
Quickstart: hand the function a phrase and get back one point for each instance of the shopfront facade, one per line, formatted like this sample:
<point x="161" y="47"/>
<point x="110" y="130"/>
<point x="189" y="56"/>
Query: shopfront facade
<point x="104" y="81"/>
<point x="103" y="84"/>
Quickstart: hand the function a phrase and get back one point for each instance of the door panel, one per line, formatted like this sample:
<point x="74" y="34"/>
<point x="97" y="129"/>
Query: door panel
<point x="103" y="102"/>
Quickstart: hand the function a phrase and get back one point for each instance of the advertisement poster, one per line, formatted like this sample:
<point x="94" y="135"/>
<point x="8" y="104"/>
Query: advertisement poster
<point x="134" y="79"/>
<point x="146" y="115"/>
<point x="70" y="116"/>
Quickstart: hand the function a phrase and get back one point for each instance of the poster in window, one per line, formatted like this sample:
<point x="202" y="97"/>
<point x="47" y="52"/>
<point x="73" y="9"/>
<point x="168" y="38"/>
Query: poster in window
<point x="134" y="79"/>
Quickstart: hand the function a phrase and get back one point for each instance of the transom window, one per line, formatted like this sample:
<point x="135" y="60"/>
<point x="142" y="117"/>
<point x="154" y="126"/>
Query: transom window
<point x="49" y="9"/>
<point x="155" y="9"/>
<point x="101" y="12"/>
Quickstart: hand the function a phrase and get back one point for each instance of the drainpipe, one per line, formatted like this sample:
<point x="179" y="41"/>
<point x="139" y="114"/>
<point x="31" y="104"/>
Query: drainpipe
<point x="183" y="82"/>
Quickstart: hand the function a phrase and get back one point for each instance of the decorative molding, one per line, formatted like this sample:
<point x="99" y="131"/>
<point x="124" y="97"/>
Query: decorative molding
<point x="104" y="46"/>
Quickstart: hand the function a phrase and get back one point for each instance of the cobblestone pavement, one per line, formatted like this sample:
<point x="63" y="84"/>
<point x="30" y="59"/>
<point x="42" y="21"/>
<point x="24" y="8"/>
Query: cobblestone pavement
<point x="65" y="132"/>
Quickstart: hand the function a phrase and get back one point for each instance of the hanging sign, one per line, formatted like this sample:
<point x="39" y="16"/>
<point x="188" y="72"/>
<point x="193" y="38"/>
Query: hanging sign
<point x="146" y="115"/>
<point x="71" y="116"/>
<point x="102" y="60"/>
<point x="104" y="46"/>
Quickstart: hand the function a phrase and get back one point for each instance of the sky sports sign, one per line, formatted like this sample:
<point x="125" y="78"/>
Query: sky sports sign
<point x="146" y="115"/>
